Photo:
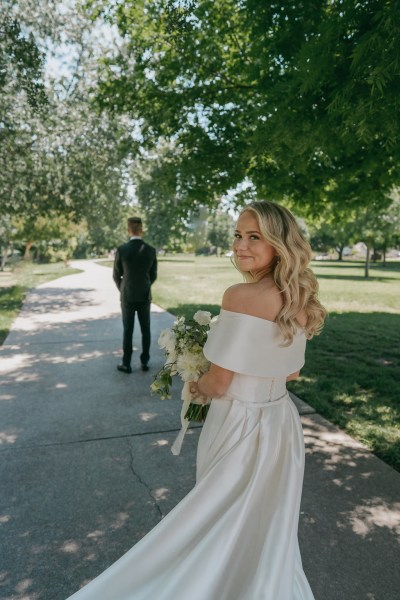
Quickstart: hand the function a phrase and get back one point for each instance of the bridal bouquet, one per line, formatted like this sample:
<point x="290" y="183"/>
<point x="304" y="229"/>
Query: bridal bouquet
<point x="183" y="349"/>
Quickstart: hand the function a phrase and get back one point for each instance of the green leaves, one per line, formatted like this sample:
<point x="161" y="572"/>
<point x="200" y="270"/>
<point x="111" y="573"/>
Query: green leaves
<point x="292" y="96"/>
<point x="21" y="61"/>
<point x="59" y="159"/>
<point x="162" y="383"/>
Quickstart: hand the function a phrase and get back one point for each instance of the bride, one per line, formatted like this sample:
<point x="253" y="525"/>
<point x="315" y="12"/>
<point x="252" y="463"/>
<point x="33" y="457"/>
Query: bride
<point x="234" y="536"/>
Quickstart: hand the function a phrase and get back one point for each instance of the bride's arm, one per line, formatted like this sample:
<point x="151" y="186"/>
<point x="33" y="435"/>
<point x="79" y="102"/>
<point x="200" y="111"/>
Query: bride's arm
<point x="293" y="376"/>
<point x="212" y="384"/>
<point x="216" y="381"/>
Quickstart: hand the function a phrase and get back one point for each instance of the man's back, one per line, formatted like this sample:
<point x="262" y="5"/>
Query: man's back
<point x="135" y="269"/>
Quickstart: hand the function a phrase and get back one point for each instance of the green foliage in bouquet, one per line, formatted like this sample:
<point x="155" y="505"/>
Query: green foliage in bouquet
<point x="183" y="348"/>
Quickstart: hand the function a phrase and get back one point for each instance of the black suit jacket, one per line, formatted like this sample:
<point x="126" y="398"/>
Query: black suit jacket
<point x="135" y="269"/>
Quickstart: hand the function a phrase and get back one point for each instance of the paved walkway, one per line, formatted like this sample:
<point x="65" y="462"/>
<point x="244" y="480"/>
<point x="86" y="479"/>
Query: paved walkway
<point x="86" y="467"/>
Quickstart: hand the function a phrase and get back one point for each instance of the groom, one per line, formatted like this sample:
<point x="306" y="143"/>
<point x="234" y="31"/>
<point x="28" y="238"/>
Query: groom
<point x="135" y="269"/>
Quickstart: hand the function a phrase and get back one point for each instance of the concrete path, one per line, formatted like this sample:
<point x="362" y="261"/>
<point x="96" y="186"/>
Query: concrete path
<point x="86" y="468"/>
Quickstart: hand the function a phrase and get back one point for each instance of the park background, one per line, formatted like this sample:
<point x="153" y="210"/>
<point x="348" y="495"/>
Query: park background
<point x="182" y="112"/>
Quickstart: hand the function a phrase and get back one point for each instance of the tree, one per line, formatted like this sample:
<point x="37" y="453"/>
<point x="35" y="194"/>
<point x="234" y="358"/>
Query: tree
<point x="54" y="236"/>
<point x="220" y="230"/>
<point x="7" y="233"/>
<point x="333" y="231"/>
<point x="198" y="231"/>
<point x="389" y="226"/>
<point x="377" y="228"/>
<point x="21" y="93"/>
<point x="300" y="98"/>
<point x="21" y="60"/>
<point x="57" y="156"/>
<point x="166" y="221"/>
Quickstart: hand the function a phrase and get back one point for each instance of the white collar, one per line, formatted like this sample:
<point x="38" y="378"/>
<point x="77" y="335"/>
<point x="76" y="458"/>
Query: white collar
<point x="135" y="237"/>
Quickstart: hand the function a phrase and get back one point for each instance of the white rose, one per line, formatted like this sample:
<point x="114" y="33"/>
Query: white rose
<point x="202" y="317"/>
<point x="180" y="325"/>
<point x="190" y="366"/>
<point x="167" y="340"/>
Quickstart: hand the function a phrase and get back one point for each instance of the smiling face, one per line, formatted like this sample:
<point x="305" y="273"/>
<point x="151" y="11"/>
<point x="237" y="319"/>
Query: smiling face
<point x="252" y="251"/>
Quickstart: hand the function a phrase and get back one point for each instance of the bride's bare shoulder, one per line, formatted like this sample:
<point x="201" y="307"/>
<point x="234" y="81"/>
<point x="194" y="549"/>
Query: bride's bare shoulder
<point x="234" y="296"/>
<point x="260" y="299"/>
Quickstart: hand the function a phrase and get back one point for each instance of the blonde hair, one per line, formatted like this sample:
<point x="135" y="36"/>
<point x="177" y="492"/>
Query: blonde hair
<point x="296" y="282"/>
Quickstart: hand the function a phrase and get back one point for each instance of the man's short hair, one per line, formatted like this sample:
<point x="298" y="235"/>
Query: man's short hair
<point x="135" y="224"/>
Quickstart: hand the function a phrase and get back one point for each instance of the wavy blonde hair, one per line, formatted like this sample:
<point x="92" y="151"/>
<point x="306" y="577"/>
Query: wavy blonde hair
<point x="296" y="282"/>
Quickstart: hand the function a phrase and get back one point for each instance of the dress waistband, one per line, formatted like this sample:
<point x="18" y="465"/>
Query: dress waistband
<point x="263" y="404"/>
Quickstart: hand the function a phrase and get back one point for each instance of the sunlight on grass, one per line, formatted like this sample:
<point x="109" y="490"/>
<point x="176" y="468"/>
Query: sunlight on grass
<point x="343" y="287"/>
<point x="345" y="399"/>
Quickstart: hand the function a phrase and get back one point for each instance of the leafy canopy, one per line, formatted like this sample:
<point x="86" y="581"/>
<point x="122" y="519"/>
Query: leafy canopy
<point x="301" y="98"/>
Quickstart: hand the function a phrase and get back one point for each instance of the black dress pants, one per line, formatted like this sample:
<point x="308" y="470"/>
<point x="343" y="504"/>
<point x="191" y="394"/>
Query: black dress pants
<point x="129" y="310"/>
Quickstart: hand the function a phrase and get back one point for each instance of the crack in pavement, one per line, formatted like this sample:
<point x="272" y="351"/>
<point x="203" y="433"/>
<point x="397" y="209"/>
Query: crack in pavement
<point x="142" y="482"/>
<point x="95" y="439"/>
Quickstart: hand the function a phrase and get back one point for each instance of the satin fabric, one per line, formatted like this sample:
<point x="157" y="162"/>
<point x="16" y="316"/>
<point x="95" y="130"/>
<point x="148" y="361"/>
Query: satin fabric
<point x="234" y="536"/>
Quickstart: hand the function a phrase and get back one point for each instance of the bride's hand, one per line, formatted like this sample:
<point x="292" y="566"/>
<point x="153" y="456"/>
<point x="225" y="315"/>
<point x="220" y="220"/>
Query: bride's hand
<point x="195" y="393"/>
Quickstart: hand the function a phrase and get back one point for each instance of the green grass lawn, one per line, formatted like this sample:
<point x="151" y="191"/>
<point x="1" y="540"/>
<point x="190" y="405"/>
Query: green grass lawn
<point x="14" y="284"/>
<point x="352" y="371"/>
<point x="185" y="283"/>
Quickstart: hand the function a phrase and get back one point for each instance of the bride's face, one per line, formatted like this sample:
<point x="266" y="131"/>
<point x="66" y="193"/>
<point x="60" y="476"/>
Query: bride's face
<point x="253" y="253"/>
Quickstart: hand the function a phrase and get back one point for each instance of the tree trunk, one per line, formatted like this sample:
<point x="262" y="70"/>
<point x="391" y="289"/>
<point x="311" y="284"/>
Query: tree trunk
<point x="4" y="255"/>
<point x="340" y="252"/>
<point x="27" y="254"/>
<point x="384" y="255"/>
<point x="366" y="272"/>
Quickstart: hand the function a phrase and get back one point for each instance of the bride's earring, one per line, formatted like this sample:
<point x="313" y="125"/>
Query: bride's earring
<point x="278" y="259"/>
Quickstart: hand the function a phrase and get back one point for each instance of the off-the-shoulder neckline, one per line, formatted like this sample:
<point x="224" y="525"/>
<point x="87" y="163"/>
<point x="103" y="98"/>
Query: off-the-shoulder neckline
<point x="233" y="312"/>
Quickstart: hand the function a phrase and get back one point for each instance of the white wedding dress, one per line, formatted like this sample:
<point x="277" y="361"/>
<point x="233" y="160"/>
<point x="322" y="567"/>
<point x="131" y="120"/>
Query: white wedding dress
<point x="234" y="536"/>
